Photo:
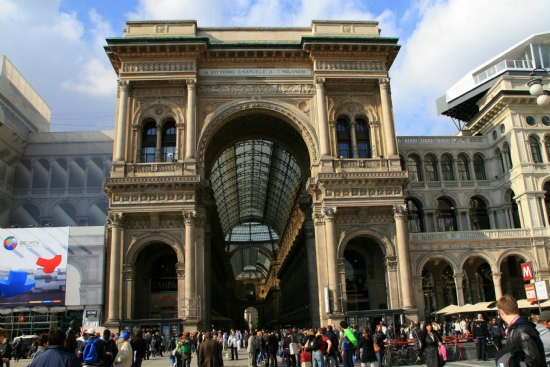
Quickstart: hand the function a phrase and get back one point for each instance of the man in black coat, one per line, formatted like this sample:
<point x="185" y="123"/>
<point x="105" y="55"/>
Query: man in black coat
<point x="138" y="347"/>
<point x="272" y="348"/>
<point x="481" y="333"/>
<point x="72" y="344"/>
<point x="523" y="339"/>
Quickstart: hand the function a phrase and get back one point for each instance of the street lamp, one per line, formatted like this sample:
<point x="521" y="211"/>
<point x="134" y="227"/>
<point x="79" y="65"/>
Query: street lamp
<point x="536" y="88"/>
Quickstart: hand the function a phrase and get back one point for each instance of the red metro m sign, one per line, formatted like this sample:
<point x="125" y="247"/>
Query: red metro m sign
<point x="527" y="271"/>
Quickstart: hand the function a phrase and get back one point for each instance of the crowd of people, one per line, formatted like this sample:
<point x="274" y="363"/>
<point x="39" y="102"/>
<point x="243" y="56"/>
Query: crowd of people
<point x="527" y="342"/>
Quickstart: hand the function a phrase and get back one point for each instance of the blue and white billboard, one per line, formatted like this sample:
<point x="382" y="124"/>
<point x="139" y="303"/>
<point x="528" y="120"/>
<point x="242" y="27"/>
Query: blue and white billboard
<point x="33" y="266"/>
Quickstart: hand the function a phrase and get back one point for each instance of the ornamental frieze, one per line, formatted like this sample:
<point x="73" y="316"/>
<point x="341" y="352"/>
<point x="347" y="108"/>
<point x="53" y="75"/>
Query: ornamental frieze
<point x="158" y="67"/>
<point x="209" y="90"/>
<point x="350" y="65"/>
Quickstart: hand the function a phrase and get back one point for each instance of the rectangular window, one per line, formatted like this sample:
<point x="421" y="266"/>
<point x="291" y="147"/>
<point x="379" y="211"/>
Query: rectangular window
<point x="148" y="155"/>
<point x="344" y="150"/>
<point x="363" y="150"/>
<point x="447" y="171"/>
<point x="168" y="150"/>
<point x="431" y="173"/>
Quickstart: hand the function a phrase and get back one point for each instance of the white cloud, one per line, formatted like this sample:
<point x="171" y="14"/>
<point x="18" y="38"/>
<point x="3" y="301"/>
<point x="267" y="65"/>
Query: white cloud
<point x="61" y="55"/>
<point x="452" y="38"/>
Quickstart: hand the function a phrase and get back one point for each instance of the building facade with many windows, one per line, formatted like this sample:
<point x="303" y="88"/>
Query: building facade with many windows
<point x="258" y="169"/>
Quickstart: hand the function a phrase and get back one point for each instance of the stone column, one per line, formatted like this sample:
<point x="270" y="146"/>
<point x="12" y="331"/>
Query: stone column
<point x="180" y="273"/>
<point x="472" y="171"/>
<point x="136" y="132"/>
<point x="459" y="278"/>
<point x="115" y="222"/>
<point x="389" y="131"/>
<point x="333" y="138"/>
<point x="375" y="139"/>
<point x="129" y="274"/>
<point x="190" y="146"/>
<point x="354" y="149"/>
<point x="322" y="266"/>
<point x="333" y="275"/>
<point x="400" y="215"/>
<point x="123" y="88"/>
<point x="309" y="230"/>
<point x="392" y="282"/>
<point x="179" y="141"/>
<point x="498" y="287"/>
<point x="322" y="116"/>
<point x="190" y="286"/>
<point x="455" y="170"/>
<point x="158" y="148"/>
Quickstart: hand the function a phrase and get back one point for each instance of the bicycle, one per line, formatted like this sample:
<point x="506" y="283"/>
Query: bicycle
<point x="454" y="349"/>
<point x="399" y="356"/>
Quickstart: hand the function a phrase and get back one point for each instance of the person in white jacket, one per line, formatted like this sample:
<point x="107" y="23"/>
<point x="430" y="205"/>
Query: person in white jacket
<point x="124" y="356"/>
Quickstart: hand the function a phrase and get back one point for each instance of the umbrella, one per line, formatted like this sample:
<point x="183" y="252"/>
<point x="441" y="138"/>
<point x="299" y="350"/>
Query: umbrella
<point x="545" y="304"/>
<point x="444" y="310"/>
<point x="523" y="303"/>
<point x="457" y="309"/>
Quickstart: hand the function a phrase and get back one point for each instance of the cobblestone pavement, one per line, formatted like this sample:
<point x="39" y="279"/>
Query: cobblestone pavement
<point x="242" y="362"/>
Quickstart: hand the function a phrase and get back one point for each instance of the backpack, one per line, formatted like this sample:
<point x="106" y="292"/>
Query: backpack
<point x="90" y="353"/>
<point x="324" y="344"/>
<point x="185" y="347"/>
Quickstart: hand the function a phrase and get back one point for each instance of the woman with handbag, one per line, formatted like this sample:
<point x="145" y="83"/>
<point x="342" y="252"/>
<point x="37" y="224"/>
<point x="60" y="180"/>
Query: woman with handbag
<point x="367" y="346"/>
<point x="379" y="338"/>
<point x="429" y="342"/>
<point x="306" y="356"/>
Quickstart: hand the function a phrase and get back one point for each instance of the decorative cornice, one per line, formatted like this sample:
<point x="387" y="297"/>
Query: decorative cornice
<point x="349" y="65"/>
<point x="158" y="67"/>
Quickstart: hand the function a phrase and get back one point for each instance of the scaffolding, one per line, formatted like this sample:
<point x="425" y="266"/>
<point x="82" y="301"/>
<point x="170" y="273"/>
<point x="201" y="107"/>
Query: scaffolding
<point x="28" y="323"/>
<point x="192" y="308"/>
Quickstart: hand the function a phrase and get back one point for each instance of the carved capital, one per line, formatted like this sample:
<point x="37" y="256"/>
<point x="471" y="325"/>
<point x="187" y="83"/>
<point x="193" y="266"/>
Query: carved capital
<point x="400" y="211"/>
<point x="384" y="82"/>
<point x="341" y="265"/>
<point x="180" y="125"/>
<point x="180" y="270"/>
<point x="320" y="83"/>
<point x="115" y="220"/>
<point x="390" y="263"/>
<point x="129" y="272"/>
<point x="189" y="217"/>
<point x="329" y="214"/>
<point x="191" y="84"/>
<point x="123" y="85"/>
<point x="319" y="218"/>
<point x="497" y="276"/>
<point x="136" y="127"/>
<point x="374" y="123"/>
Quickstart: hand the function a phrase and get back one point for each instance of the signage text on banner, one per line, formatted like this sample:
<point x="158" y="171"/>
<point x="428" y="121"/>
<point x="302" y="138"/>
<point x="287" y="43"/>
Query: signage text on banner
<point x="527" y="271"/>
<point x="530" y="292"/>
<point x="542" y="290"/>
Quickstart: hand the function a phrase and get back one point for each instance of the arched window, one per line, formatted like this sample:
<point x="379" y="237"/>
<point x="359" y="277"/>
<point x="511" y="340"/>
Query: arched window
<point x="462" y="166"/>
<point x="343" y="137"/>
<point x="535" y="150"/>
<point x="479" y="219"/>
<point x="515" y="211"/>
<point x="547" y="146"/>
<point x="41" y="174"/>
<point x="95" y="172"/>
<point x="413" y="166"/>
<point x="168" y="141"/>
<point x="445" y="216"/>
<point x="149" y="142"/>
<point x="77" y="173"/>
<point x="447" y="168"/>
<point x="415" y="215"/>
<point x="479" y="167"/>
<point x="59" y="174"/>
<point x="508" y="156"/>
<point x="401" y="162"/>
<point x="363" y="138"/>
<point x="430" y="168"/>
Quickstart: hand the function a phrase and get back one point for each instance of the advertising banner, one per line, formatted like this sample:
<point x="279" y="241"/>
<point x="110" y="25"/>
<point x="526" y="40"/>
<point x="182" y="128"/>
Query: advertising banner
<point x="33" y="266"/>
<point x="530" y="292"/>
<point x="542" y="290"/>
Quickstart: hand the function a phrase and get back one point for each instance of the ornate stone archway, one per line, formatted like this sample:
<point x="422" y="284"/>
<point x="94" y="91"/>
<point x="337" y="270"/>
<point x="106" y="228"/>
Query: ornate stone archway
<point x="287" y="113"/>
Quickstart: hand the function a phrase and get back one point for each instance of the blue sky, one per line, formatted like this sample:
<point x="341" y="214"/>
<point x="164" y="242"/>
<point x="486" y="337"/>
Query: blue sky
<point x="57" y="45"/>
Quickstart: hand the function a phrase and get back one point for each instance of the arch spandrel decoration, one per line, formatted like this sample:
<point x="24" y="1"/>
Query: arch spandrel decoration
<point x="139" y="243"/>
<point x="375" y="233"/>
<point x="438" y="255"/>
<point x="353" y="107"/>
<point x="284" y="111"/>
<point x="147" y="109"/>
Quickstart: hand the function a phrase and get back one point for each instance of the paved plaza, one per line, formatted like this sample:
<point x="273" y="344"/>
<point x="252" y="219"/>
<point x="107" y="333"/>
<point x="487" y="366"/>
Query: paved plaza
<point x="242" y="362"/>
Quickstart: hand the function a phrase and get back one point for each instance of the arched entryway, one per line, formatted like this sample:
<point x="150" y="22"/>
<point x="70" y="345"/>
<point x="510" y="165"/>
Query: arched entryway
<point x="156" y="283"/>
<point x="511" y="275"/>
<point x="478" y="283"/>
<point x="438" y="286"/>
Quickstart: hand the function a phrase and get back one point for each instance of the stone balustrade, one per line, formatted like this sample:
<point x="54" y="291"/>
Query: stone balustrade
<point x="154" y="169"/>
<point x="472" y="235"/>
<point x="361" y="165"/>
<point x="444" y="141"/>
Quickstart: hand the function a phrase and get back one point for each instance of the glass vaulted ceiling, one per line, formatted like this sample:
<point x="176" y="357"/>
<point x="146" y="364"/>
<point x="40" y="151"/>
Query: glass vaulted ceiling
<point x="254" y="184"/>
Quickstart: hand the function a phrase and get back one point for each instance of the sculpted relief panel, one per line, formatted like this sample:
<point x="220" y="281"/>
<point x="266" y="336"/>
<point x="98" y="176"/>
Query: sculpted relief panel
<point x="157" y="67"/>
<point x="350" y="65"/>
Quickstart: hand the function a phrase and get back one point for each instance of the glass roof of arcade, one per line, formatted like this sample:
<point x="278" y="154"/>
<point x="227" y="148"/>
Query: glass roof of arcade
<point x="254" y="184"/>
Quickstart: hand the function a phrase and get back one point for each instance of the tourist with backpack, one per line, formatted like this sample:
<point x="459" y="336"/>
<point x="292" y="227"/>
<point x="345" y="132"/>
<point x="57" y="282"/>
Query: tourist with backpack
<point x="183" y="350"/>
<point x="124" y="356"/>
<point x="92" y="352"/>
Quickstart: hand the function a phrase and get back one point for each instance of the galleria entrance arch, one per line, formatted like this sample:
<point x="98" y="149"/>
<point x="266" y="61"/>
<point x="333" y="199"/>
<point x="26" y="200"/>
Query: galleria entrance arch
<point x="224" y="144"/>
